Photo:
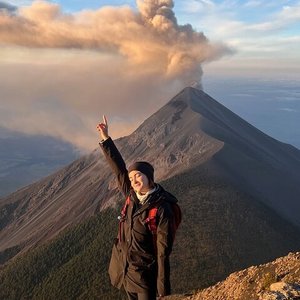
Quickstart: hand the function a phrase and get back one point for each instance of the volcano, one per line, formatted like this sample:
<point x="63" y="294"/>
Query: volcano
<point x="238" y="188"/>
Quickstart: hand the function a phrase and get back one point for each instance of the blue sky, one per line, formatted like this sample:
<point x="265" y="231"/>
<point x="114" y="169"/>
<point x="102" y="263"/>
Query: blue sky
<point x="265" y="34"/>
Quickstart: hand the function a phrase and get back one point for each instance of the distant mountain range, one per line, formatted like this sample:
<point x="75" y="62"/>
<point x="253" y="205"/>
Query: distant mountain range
<point x="238" y="189"/>
<point x="27" y="158"/>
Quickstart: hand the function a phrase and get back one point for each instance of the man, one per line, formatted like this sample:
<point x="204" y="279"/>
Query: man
<point x="140" y="255"/>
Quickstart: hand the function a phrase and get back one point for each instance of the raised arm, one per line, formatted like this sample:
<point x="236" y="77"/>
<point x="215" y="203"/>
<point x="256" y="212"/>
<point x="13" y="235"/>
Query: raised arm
<point x="113" y="157"/>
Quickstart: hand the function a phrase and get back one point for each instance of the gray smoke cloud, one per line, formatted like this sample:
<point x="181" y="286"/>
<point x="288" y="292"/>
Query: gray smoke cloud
<point x="61" y="72"/>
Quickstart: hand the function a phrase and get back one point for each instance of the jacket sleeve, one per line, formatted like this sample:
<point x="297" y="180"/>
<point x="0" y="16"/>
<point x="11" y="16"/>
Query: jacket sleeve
<point x="164" y="249"/>
<point x="117" y="164"/>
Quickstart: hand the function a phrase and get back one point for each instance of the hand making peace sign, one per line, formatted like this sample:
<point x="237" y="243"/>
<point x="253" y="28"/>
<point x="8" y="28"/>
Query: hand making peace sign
<point x="103" y="129"/>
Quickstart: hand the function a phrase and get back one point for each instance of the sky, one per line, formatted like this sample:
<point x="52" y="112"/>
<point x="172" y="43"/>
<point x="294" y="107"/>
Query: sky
<point x="63" y="64"/>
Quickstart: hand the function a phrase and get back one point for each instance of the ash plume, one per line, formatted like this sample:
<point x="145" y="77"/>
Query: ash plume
<point x="60" y="72"/>
<point x="150" y="37"/>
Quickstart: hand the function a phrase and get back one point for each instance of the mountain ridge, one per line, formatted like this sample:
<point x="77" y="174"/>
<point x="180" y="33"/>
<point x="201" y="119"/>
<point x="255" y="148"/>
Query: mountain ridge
<point x="228" y="188"/>
<point x="240" y="143"/>
<point x="184" y="133"/>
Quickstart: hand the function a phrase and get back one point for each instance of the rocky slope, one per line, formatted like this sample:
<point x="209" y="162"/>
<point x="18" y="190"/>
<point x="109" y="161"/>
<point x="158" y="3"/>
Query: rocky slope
<point x="279" y="279"/>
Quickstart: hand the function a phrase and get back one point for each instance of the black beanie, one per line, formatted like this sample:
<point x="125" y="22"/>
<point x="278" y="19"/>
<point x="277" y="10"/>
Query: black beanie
<point x="144" y="167"/>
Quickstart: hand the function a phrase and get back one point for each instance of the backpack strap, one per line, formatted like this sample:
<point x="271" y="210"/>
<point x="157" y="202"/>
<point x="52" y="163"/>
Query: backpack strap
<point x="121" y="218"/>
<point x="152" y="222"/>
<point x="152" y="225"/>
<point x="124" y="209"/>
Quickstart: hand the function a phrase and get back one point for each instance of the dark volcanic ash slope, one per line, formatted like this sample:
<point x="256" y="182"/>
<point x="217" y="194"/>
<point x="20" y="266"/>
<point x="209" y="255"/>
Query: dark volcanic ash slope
<point x="194" y="129"/>
<point x="191" y="131"/>
<point x="255" y="162"/>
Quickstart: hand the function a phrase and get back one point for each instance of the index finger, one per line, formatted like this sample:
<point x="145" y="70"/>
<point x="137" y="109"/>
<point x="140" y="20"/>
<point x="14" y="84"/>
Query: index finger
<point x="104" y="120"/>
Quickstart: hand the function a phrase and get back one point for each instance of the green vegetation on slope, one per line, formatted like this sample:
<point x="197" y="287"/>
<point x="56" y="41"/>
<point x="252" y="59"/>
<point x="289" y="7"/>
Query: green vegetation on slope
<point x="6" y="213"/>
<point x="223" y="230"/>
<point x="8" y="253"/>
<point x="73" y="266"/>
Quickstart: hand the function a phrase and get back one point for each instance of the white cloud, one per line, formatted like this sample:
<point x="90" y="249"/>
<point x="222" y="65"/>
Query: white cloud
<point x="197" y="6"/>
<point x="287" y="109"/>
<point x="281" y="20"/>
<point x="253" y="3"/>
<point x="20" y="3"/>
<point x="225" y="19"/>
<point x="290" y="13"/>
<point x="267" y="38"/>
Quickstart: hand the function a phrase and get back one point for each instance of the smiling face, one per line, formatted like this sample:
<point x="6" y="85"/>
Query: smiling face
<point x="139" y="182"/>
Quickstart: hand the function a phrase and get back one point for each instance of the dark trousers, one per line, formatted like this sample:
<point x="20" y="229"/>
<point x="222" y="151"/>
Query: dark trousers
<point x="150" y="295"/>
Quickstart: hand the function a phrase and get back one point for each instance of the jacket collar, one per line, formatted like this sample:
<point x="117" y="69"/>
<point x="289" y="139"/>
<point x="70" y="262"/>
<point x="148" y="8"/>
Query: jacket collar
<point x="154" y="198"/>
